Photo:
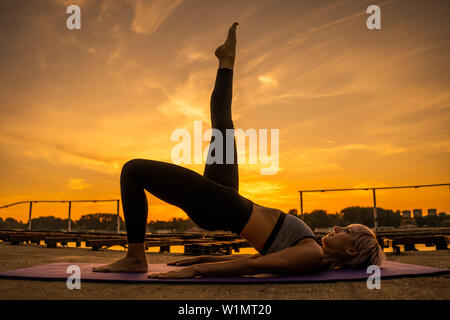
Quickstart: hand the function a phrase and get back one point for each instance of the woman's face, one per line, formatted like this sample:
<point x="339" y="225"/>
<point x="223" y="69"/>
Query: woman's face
<point x="339" y="239"/>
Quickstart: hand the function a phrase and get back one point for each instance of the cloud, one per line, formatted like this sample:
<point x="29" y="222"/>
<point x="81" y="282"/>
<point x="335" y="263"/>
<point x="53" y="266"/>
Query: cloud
<point x="190" y="98"/>
<point x="382" y="149"/>
<point x="77" y="184"/>
<point x="191" y="53"/>
<point x="72" y="40"/>
<point x="56" y="153"/>
<point x="149" y="15"/>
<point x="268" y="80"/>
<point x="261" y="191"/>
<point x="325" y="10"/>
<point x="254" y="62"/>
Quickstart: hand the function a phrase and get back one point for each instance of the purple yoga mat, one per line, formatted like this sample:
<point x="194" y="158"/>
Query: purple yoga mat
<point x="57" y="271"/>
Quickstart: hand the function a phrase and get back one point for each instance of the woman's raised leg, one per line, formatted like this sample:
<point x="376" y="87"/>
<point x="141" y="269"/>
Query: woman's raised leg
<point x="220" y="107"/>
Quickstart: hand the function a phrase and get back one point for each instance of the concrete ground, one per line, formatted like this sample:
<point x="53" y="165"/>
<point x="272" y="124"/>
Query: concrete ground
<point x="21" y="256"/>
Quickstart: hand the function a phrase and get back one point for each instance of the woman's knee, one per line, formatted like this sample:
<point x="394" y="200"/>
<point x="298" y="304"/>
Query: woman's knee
<point x="131" y="167"/>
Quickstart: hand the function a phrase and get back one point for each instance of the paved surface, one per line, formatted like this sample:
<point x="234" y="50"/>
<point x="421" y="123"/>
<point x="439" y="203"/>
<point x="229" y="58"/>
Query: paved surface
<point x="21" y="256"/>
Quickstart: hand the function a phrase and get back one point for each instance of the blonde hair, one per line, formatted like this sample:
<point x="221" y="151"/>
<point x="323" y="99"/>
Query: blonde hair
<point x="369" y="250"/>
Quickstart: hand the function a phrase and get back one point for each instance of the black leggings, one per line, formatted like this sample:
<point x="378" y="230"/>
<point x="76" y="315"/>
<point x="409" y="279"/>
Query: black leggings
<point x="212" y="201"/>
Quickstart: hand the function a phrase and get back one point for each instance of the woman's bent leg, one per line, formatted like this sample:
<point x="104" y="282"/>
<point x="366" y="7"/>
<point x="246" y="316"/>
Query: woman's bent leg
<point x="210" y="205"/>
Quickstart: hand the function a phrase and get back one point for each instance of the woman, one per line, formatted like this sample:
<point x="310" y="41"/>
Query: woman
<point x="286" y="245"/>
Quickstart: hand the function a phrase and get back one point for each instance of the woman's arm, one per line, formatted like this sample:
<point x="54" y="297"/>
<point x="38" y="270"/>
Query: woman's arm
<point x="224" y="269"/>
<point x="208" y="258"/>
<point x="228" y="257"/>
<point x="292" y="260"/>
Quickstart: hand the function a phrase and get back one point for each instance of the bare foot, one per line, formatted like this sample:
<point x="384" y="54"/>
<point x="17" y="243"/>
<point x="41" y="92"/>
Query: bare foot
<point x="228" y="49"/>
<point x="126" y="264"/>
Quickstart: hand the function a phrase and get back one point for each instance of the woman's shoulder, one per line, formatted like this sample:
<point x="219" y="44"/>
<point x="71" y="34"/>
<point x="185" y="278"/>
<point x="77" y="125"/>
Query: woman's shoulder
<point x="314" y="248"/>
<point x="306" y="256"/>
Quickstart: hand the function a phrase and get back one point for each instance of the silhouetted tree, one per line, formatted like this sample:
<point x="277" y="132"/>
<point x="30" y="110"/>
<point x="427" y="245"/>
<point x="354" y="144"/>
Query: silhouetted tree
<point x="321" y="219"/>
<point x="364" y="215"/>
<point x="428" y="221"/>
<point x="11" y="223"/>
<point x="49" y="223"/>
<point x="176" y="224"/>
<point x="318" y="218"/>
<point x="99" y="221"/>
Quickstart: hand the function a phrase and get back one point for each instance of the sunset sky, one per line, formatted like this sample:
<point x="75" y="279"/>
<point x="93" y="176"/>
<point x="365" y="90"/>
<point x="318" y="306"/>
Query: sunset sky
<point x="354" y="107"/>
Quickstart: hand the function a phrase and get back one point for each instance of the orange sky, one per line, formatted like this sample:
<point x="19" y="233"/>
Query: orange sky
<point x="355" y="107"/>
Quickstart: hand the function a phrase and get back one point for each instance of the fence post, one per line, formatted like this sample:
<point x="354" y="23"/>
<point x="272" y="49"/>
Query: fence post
<point x="29" y="216"/>
<point x="68" y="223"/>
<point x="375" y="217"/>
<point x="301" y="204"/>
<point x="118" y="217"/>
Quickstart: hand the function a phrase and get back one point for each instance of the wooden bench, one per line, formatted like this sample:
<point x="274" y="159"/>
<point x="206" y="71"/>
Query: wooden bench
<point x="439" y="241"/>
<point x="213" y="248"/>
<point x="52" y="242"/>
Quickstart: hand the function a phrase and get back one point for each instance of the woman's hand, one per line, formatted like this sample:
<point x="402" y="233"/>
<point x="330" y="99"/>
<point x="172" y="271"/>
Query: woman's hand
<point x="187" y="262"/>
<point x="188" y="272"/>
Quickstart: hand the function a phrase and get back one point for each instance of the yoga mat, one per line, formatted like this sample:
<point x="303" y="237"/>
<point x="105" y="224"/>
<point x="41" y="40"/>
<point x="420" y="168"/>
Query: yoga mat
<point x="58" y="271"/>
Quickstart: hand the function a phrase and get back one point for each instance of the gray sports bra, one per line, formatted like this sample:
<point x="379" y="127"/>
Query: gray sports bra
<point x="286" y="233"/>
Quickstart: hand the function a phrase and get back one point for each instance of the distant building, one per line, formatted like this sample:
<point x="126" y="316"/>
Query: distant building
<point x="194" y="230"/>
<point x="432" y="212"/>
<point x="163" y="231"/>
<point x="408" y="223"/>
<point x="406" y="213"/>
<point x="417" y="213"/>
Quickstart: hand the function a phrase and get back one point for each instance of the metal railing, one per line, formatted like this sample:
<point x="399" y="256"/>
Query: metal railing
<point x="375" y="218"/>
<point x="70" y="207"/>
